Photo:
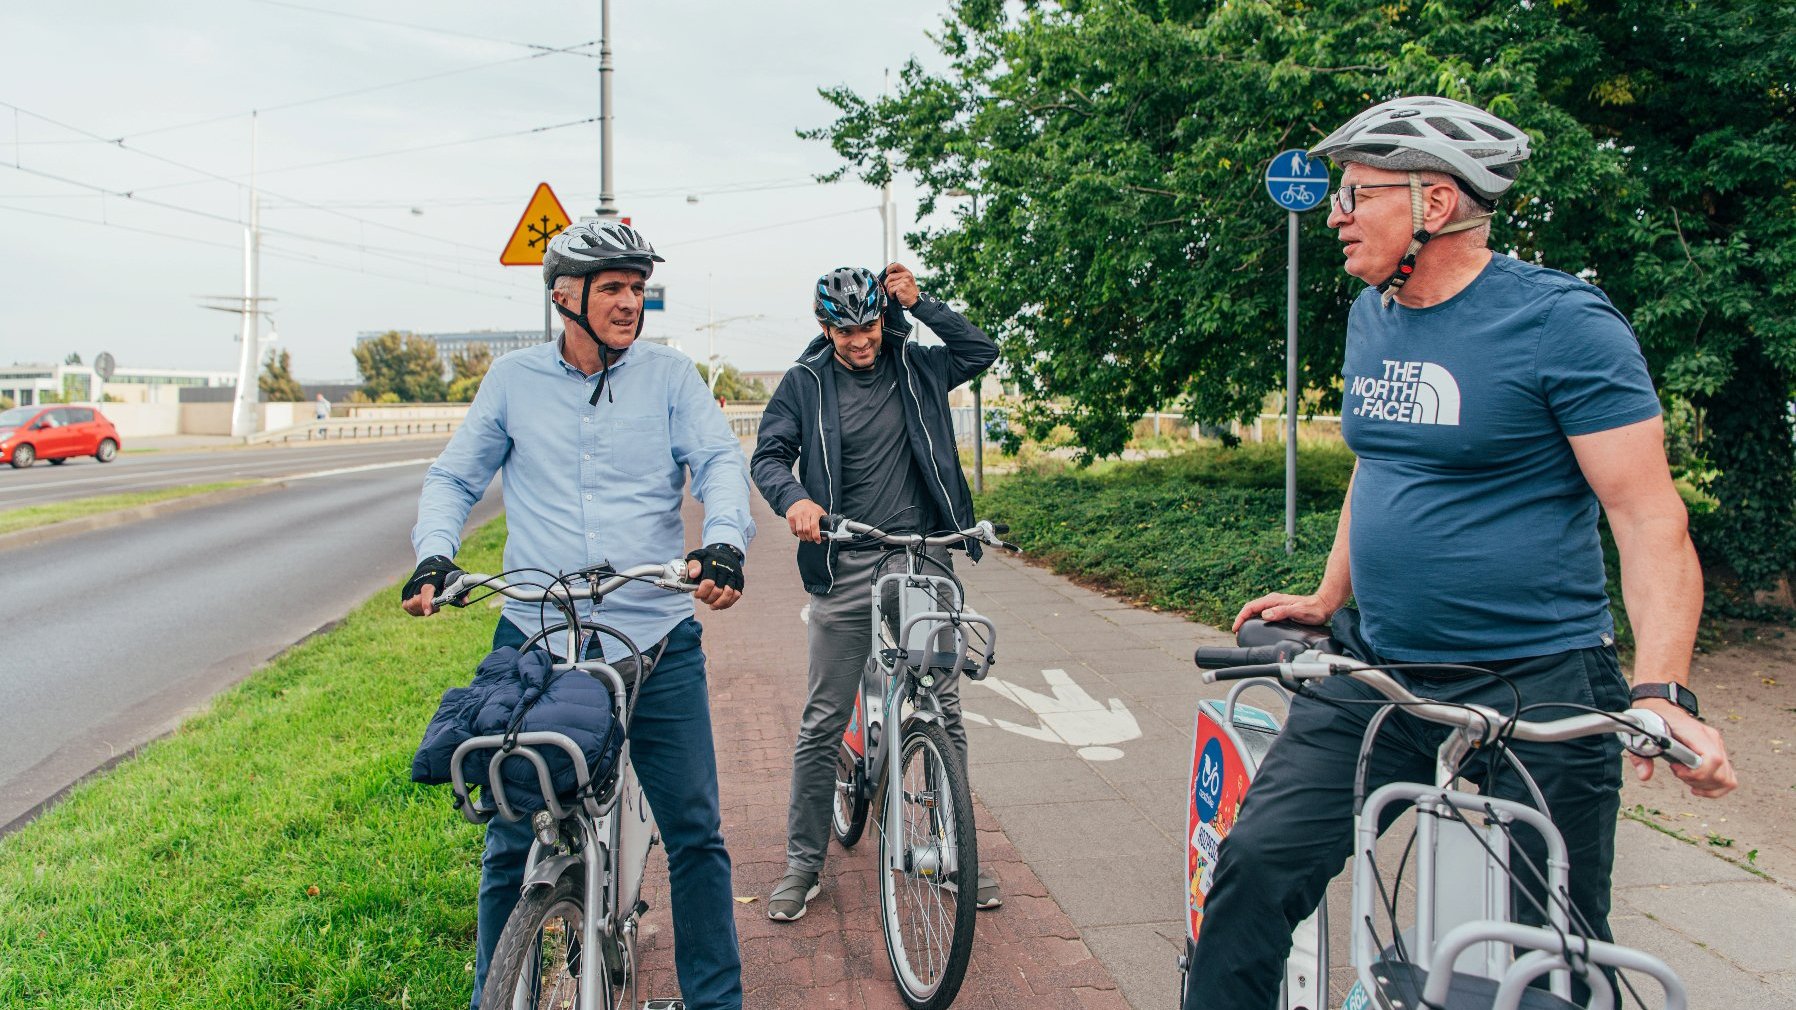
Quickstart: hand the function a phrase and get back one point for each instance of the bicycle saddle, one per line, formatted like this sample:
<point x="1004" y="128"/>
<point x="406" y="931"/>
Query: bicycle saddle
<point x="1258" y="632"/>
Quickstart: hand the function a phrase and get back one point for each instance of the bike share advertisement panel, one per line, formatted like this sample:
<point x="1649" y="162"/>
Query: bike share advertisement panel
<point x="1219" y="778"/>
<point x="853" y="736"/>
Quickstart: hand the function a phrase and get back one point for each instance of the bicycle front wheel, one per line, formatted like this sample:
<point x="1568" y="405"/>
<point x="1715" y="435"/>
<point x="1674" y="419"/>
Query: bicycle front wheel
<point x="538" y="962"/>
<point x="926" y="902"/>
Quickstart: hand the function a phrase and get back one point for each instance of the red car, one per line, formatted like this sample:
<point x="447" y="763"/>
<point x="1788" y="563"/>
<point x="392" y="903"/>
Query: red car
<point x="28" y="434"/>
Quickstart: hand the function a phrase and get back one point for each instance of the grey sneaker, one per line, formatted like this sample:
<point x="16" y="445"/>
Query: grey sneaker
<point x="988" y="891"/>
<point x="792" y="895"/>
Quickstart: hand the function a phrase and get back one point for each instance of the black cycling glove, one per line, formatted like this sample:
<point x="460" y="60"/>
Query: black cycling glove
<point x="720" y="563"/>
<point x="434" y="571"/>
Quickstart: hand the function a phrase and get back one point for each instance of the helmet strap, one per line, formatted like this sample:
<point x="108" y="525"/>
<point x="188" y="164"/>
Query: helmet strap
<point x="606" y="354"/>
<point x="1419" y="237"/>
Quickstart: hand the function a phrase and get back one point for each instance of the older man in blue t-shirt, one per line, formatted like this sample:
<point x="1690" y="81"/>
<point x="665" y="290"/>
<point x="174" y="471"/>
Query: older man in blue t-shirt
<point x="1494" y="406"/>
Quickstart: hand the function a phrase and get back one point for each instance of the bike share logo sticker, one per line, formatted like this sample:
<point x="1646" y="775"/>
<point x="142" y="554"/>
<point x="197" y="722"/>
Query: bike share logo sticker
<point x="1415" y="392"/>
<point x="1207" y="790"/>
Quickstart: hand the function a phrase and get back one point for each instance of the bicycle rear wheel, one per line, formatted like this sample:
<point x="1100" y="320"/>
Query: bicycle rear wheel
<point x="926" y="905"/>
<point x="848" y="805"/>
<point x="539" y="959"/>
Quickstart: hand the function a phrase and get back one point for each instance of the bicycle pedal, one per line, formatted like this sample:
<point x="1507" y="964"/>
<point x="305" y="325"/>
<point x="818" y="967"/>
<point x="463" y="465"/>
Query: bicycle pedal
<point x="641" y="908"/>
<point x="664" y="1004"/>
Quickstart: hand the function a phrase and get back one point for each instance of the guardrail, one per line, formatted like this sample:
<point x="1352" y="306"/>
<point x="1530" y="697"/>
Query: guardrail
<point x="355" y="427"/>
<point x="745" y="420"/>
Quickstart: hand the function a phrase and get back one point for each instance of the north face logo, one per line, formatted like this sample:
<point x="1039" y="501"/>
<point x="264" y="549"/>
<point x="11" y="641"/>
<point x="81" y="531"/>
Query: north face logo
<point x="1418" y="392"/>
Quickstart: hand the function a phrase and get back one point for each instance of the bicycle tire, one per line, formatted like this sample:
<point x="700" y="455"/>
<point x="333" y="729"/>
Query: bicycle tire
<point x="848" y="804"/>
<point x="536" y="911"/>
<point x="942" y="779"/>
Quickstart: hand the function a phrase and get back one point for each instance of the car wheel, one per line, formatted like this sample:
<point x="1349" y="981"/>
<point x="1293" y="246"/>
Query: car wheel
<point x="23" y="456"/>
<point x="58" y="462"/>
<point x="108" y="449"/>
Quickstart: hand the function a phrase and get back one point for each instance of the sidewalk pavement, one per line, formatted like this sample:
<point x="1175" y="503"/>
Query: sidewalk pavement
<point x="1026" y="954"/>
<point x="1080" y="752"/>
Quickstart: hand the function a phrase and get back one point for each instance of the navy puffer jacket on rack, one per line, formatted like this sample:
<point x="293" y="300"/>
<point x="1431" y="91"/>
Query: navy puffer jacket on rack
<point x="507" y="681"/>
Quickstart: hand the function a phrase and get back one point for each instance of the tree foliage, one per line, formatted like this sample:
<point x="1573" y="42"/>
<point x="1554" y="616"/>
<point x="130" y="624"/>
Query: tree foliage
<point x="1125" y="255"/>
<point x="276" y="381"/>
<point x="732" y="386"/>
<point x="468" y="368"/>
<point x="400" y="368"/>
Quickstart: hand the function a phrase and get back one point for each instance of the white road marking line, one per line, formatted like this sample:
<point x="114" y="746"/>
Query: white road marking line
<point x="1068" y="715"/>
<point x="358" y="469"/>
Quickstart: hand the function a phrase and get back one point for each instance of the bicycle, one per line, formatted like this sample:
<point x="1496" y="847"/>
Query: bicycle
<point x="1464" y="948"/>
<point x="928" y="854"/>
<point x="583" y="878"/>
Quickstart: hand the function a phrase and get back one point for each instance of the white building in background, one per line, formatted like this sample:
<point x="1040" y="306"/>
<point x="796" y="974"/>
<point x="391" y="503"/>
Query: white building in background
<point x="26" y="385"/>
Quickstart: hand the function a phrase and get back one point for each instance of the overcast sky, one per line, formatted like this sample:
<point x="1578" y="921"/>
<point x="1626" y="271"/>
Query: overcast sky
<point x="707" y="98"/>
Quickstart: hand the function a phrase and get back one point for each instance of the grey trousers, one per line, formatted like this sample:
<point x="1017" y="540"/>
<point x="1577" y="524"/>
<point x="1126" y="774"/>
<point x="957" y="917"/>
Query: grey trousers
<point x="841" y="636"/>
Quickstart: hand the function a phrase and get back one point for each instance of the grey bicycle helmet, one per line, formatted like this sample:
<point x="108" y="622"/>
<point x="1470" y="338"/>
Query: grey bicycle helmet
<point x="849" y="296"/>
<point x="584" y="249"/>
<point x="1424" y="133"/>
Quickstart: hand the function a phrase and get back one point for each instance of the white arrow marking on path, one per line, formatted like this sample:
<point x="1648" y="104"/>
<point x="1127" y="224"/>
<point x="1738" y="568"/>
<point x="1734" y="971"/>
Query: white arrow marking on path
<point x="1069" y="715"/>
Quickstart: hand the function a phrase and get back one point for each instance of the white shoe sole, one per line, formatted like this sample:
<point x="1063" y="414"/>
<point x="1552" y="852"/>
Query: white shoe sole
<point x="802" y="909"/>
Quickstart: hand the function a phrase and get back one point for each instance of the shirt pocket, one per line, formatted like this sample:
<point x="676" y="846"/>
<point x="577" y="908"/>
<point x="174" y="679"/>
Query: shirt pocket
<point x="640" y="445"/>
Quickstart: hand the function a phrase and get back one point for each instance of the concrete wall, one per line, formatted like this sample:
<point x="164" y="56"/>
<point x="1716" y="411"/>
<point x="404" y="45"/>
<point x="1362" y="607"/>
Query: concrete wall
<point x="141" y="420"/>
<point x="215" y="418"/>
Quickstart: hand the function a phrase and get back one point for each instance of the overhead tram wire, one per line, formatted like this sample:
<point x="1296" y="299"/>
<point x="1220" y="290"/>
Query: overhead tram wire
<point x="134" y="134"/>
<point x="236" y="248"/>
<point x="409" y="25"/>
<point x="131" y="194"/>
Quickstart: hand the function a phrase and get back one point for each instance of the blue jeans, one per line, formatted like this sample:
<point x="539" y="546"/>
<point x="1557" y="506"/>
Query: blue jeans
<point x="671" y="749"/>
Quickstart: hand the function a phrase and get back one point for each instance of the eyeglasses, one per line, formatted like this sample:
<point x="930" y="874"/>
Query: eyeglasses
<point x="1347" y="197"/>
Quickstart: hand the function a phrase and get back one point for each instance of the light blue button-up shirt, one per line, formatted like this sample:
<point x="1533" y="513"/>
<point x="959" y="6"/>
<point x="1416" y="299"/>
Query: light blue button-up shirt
<point x="586" y="484"/>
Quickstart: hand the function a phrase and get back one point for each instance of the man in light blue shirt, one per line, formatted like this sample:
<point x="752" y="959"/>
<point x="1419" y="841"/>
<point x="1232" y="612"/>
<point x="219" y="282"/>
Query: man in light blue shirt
<point x="595" y="435"/>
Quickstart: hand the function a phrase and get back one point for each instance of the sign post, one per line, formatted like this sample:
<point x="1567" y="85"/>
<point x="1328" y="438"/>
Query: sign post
<point x="1297" y="183"/>
<point x="543" y="219"/>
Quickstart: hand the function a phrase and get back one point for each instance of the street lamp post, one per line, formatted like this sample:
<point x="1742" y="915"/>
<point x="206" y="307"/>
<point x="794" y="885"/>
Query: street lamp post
<point x="978" y="383"/>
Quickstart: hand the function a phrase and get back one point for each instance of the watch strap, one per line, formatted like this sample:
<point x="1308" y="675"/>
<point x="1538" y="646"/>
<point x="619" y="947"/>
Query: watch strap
<point x="1675" y="693"/>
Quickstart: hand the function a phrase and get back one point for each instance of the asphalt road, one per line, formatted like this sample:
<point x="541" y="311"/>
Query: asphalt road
<point x="85" y="477"/>
<point x="113" y="636"/>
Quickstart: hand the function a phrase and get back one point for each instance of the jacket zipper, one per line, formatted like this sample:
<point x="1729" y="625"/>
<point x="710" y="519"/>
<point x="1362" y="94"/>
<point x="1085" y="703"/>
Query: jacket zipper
<point x="934" y="468"/>
<point x="829" y="554"/>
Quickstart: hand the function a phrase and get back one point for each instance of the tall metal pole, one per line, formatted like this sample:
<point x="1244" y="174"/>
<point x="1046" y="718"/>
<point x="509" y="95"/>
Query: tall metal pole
<point x="1291" y="386"/>
<point x="243" y="407"/>
<point x="978" y="411"/>
<point x="548" y="298"/>
<point x="607" y="198"/>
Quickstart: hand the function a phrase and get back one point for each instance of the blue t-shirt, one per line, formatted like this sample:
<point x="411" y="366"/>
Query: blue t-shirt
<point x="1474" y="533"/>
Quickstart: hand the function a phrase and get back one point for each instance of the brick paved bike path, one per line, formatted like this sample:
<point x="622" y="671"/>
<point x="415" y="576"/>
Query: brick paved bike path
<point x="1027" y="953"/>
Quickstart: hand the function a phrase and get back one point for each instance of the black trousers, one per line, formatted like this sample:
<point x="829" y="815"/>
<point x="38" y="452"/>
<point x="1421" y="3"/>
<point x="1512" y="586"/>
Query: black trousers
<point x="1294" y="832"/>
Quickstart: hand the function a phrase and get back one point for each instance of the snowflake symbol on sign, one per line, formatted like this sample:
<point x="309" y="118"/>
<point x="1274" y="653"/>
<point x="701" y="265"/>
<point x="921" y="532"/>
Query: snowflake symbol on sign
<point x="543" y="232"/>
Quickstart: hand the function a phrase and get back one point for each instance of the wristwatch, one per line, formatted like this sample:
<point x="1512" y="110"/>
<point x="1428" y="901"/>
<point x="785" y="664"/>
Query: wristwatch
<point x="1675" y="693"/>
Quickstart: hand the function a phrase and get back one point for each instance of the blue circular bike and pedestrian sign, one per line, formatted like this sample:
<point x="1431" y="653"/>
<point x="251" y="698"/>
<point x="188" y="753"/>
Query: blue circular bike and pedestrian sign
<point x="1296" y="181"/>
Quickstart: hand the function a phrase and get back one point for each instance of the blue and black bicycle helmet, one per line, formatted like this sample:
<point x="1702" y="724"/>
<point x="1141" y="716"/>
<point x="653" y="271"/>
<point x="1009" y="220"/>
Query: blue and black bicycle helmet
<point x="849" y="296"/>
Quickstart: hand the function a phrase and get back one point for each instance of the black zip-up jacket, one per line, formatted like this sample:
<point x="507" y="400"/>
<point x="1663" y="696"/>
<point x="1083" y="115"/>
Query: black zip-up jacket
<point x="801" y="425"/>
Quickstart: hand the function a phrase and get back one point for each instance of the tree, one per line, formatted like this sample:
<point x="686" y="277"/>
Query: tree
<point x="276" y="382"/>
<point x="400" y="365"/>
<point x="1126" y="257"/>
<point x="732" y="386"/>
<point x="74" y="358"/>
<point x="469" y="368"/>
<point x="6" y="403"/>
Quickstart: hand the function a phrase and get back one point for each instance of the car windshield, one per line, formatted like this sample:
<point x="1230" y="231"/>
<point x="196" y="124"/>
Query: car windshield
<point x="16" y="416"/>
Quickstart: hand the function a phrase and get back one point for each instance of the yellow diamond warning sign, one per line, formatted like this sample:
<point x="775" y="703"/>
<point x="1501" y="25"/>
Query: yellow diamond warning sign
<point x="542" y="219"/>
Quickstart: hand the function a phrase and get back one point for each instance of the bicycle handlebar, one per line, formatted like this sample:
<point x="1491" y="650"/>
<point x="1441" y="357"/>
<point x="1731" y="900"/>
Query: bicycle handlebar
<point x="1231" y="659"/>
<point x="1642" y="731"/>
<point x="670" y="575"/>
<point x="840" y="527"/>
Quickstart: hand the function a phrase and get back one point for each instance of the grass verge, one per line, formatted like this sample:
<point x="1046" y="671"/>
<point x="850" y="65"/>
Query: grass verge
<point x="33" y="516"/>
<point x="273" y="852"/>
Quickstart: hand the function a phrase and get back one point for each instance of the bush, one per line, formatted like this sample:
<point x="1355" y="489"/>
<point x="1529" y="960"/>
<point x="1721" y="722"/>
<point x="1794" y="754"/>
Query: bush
<point x="1201" y="532"/>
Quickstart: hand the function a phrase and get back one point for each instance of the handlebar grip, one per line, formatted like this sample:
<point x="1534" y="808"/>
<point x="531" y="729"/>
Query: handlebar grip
<point x="1247" y="672"/>
<point x="1213" y="657"/>
<point x="1676" y="751"/>
<point x="1000" y="528"/>
<point x="828" y="523"/>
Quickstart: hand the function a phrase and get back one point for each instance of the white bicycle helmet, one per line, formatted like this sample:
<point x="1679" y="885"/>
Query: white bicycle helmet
<point x="1424" y="133"/>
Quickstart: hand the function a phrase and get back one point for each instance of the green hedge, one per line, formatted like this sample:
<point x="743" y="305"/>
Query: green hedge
<point x="1202" y="532"/>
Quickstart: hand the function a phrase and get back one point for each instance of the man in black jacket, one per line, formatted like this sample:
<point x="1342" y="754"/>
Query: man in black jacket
<point x="864" y="415"/>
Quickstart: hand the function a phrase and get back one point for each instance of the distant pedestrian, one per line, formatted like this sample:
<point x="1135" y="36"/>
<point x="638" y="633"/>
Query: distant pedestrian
<point x="321" y="412"/>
